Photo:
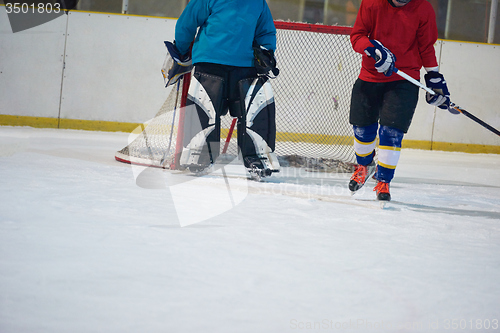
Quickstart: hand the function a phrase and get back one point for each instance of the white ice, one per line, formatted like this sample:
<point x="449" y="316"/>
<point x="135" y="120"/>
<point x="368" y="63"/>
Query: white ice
<point x="88" y="244"/>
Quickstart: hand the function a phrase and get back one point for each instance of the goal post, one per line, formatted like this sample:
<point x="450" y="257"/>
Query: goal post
<point x="318" y="68"/>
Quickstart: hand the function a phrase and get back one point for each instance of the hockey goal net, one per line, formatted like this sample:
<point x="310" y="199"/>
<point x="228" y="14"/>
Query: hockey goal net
<point x="312" y="94"/>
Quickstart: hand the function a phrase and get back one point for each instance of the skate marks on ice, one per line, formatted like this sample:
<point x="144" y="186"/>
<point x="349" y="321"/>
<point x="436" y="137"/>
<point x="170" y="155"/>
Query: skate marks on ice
<point x="394" y="205"/>
<point x="428" y="181"/>
<point x="439" y="197"/>
<point x="398" y="206"/>
<point x="198" y="198"/>
<point x="452" y="196"/>
<point x="412" y="194"/>
<point x="445" y="210"/>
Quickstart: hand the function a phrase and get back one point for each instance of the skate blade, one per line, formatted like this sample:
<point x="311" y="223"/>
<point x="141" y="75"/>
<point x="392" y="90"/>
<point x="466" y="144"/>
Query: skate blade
<point x="199" y="172"/>
<point x="255" y="176"/>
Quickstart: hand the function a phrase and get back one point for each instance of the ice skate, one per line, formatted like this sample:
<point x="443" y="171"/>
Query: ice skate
<point x="361" y="175"/>
<point x="200" y="170"/>
<point x="256" y="167"/>
<point x="382" y="190"/>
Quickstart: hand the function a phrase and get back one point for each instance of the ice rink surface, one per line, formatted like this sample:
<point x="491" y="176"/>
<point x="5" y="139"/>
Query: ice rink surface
<point x="88" y="244"/>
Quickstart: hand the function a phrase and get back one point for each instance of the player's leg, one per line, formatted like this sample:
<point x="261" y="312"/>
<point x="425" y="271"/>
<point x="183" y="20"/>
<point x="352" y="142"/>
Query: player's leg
<point x="205" y="104"/>
<point x="366" y="102"/>
<point x="396" y="115"/>
<point x="251" y="100"/>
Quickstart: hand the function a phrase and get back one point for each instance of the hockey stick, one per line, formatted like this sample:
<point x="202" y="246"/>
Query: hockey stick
<point x="451" y="106"/>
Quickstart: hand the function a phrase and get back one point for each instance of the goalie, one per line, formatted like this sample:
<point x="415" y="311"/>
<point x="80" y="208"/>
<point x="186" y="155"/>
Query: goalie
<point x="233" y="53"/>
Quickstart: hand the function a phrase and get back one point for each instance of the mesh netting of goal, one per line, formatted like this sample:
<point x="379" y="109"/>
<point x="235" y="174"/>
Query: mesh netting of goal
<point x="318" y="68"/>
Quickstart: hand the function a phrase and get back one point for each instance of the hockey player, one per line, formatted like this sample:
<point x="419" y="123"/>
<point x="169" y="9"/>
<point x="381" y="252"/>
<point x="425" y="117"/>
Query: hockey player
<point x="232" y="53"/>
<point x="390" y="33"/>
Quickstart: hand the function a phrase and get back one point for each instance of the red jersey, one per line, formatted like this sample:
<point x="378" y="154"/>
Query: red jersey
<point x="409" y="32"/>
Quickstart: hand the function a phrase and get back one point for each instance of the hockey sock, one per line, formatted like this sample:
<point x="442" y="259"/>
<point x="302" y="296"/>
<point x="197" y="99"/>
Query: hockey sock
<point x="388" y="154"/>
<point x="364" y="143"/>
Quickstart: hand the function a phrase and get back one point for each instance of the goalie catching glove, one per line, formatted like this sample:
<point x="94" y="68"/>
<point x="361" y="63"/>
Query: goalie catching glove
<point x="384" y="59"/>
<point x="264" y="60"/>
<point x="436" y="82"/>
<point x="175" y="65"/>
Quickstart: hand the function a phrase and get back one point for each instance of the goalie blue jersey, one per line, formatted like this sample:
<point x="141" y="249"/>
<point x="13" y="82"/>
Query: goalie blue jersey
<point x="227" y="30"/>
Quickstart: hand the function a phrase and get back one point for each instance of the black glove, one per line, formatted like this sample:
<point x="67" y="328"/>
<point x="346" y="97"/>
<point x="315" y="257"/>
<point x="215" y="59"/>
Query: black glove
<point x="264" y="60"/>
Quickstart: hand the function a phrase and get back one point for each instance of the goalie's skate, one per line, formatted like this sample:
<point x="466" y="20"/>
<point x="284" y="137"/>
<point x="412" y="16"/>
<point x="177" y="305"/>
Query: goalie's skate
<point x="257" y="174"/>
<point x="361" y="174"/>
<point x="199" y="170"/>
<point x="257" y="167"/>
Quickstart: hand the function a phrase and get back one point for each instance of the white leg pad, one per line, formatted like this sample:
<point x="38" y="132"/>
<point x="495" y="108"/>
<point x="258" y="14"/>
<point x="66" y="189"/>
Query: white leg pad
<point x="269" y="158"/>
<point x="263" y="98"/>
<point x="191" y="154"/>
<point x="199" y="96"/>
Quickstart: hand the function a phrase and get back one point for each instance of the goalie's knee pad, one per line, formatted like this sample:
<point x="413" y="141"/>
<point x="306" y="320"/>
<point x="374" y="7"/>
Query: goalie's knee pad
<point x="201" y="140"/>
<point x="257" y="125"/>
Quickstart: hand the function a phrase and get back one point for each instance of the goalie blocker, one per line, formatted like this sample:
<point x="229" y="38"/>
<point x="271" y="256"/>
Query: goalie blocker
<point x="216" y="89"/>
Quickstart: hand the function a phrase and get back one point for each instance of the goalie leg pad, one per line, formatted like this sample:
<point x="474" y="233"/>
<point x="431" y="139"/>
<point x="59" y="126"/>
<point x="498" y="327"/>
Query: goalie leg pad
<point x="201" y="139"/>
<point x="257" y="125"/>
<point x="263" y="152"/>
<point x="198" y="151"/>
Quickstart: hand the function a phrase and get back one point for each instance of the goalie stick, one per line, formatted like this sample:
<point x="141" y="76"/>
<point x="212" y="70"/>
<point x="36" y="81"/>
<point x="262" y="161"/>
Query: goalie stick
<point x="451" y="106"/>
